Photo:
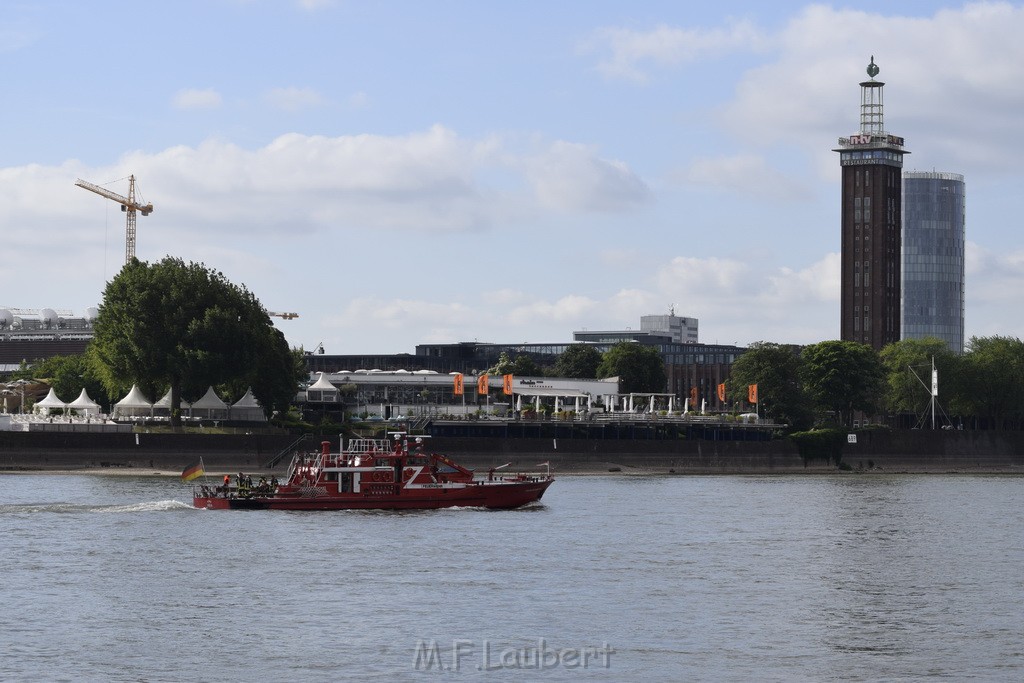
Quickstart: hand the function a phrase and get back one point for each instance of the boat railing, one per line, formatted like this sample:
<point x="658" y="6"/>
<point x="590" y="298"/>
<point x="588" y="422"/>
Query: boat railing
<point x="371" y="446"/>
<point x="311" y="462"/>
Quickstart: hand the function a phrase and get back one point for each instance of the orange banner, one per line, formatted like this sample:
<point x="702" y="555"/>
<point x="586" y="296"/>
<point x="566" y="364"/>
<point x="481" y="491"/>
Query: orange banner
<point x="457" y="379"/>
<point x="721" y="392"/>
<point x="752" y="393"/>
<point x="506" y="384"/>
<point x="693" y="396"/>
<point x="482" y="384"/>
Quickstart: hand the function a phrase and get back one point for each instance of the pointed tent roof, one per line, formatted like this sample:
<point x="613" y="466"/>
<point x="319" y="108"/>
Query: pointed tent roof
<point x="248" y="408"/>
<point x="210" y="400"/>
<point x="165" y="402"/>
<point x="134" y="399"/>
<point x="51" y="401"/>
<point x="247" y="401"/>
<point x="322" y="384"/>
<point x="83" y="402"/>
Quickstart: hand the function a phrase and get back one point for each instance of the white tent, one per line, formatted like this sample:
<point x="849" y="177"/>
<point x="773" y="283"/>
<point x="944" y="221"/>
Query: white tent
<point x="84" y="404"/>
<point x="248" y="408"/>
<point x="51" y="401"/>
<point x="322" y="391"/>
<point x="133" y="405"/>
<point x="163" y="406"/>
<point x="210" y="406"/>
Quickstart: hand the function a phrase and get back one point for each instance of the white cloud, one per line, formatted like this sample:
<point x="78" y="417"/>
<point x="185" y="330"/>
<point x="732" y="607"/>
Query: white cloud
<point x="569" y="308"/>
<point x="818" y="282"/>
<point x="294" y="99"/>
<point x="398" y="314"/>
<point x="745" y="174"/>
<point x="994" y="280"/>
<point x="258" y="212"/>
<point x="572" y="177"/>
<point x="952" y="79"/>
<point x="734" y="298"/>
<point x="192" y="98"/>
<point x="666" y="46"/>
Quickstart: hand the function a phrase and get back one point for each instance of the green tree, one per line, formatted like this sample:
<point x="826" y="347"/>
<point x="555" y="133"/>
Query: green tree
<point x="842" y="377"/>
<point x="503" y="366"/>
<point x="775" y="369"/>
<point x="523" y="366"/>
<point x="579" y="361"/>
<point x="908" y="380"/>
<point x="993" y="381"/>
<point x="526" y="366"/>
<point x="172" y="324"/>
<point x="68" y="375"/>
<point x="638" y="367"/>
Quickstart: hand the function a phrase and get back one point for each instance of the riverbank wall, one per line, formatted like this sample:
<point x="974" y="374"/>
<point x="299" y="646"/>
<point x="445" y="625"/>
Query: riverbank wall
<point x="897" y="451"/>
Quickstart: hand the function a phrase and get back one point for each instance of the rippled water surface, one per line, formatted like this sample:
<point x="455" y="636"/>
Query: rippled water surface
<point x="814" y="578"/>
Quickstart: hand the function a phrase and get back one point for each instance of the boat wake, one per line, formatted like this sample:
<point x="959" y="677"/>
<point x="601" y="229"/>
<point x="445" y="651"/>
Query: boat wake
<point x="59" y="508"/>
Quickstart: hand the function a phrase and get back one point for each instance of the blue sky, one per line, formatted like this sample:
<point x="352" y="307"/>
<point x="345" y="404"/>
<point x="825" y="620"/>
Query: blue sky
<point x="408" y="172"/>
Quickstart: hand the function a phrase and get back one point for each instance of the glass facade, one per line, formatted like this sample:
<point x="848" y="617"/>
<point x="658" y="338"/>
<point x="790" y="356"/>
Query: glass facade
<point x="934" y="211"/>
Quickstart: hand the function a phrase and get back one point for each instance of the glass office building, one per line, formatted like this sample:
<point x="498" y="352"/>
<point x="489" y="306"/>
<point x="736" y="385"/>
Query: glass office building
<point x="933" y="257"/>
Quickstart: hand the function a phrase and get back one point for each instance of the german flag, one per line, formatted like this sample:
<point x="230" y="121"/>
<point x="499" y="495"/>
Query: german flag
<point x="193" y="471"/>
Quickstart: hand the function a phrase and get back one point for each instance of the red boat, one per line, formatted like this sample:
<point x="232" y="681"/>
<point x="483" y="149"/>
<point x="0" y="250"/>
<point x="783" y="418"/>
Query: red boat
<point x="373" y="474"/>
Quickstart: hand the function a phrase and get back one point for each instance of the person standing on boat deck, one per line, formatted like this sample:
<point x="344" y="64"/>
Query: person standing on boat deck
<point x="419" y="445"/>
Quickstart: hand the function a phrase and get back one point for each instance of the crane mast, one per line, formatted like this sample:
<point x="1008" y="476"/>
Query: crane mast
<point x="128" y="205"/>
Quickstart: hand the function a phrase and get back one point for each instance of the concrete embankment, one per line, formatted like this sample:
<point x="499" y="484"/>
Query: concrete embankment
<point x="909" y="451"/>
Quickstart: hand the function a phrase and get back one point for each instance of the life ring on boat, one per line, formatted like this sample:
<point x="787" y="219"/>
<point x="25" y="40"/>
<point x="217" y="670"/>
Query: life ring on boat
<point x="377" y="476"/>
<point x="407" y="474"/>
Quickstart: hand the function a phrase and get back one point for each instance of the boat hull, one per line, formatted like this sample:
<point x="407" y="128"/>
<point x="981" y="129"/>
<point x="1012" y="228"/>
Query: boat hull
<point x="504" y="495"/>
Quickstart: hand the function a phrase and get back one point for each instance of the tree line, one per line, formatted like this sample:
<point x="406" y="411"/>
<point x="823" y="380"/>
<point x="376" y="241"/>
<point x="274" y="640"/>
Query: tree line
<point x="832" y="382"/>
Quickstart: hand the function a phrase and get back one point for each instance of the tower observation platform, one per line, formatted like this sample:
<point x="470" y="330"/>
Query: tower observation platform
<point x="871" y="200"/>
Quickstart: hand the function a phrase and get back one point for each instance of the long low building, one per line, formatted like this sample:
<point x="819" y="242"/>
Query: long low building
<point x="31" y="335"/>
<point x="428" y="393"/>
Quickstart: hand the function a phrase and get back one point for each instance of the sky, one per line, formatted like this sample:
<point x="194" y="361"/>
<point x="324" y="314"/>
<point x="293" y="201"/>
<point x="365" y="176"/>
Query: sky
<point x="401" y="173"/>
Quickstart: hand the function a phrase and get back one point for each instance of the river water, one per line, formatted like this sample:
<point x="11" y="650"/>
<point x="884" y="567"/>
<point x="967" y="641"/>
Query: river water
<point x="802" y="578"/>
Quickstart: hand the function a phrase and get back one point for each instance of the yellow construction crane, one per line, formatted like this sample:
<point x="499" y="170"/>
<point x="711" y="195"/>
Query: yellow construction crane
<point x="128" y="205"/>
<point x="286" y="316"/>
